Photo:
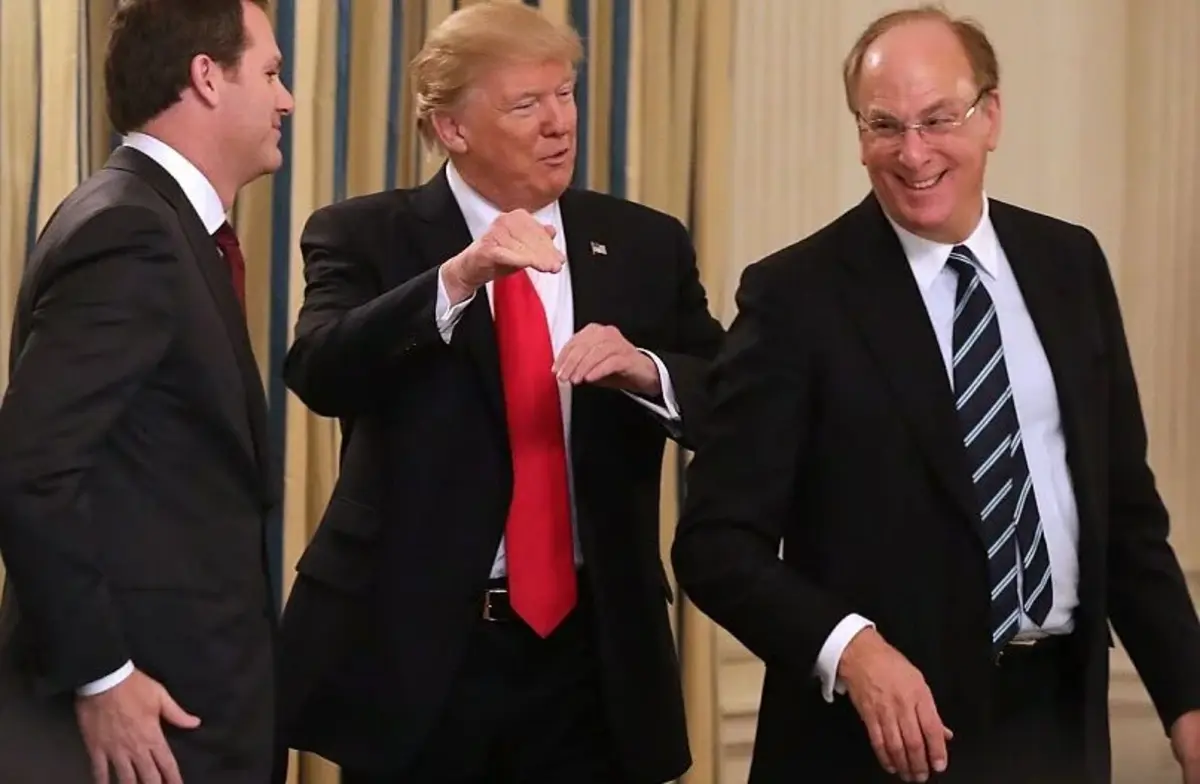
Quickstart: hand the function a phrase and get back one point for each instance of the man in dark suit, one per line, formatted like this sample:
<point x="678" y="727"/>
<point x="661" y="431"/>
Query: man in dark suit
<point x="135" y="631"/>
<point x="930" y="403"/>
<point x="484" y="600"/>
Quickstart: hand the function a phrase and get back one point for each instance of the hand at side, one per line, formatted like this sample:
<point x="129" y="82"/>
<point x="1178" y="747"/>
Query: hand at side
<point x="896" y="705"/>
<point x="122" y="730"/>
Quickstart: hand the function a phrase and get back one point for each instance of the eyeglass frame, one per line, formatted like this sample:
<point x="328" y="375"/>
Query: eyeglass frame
<point x="946" y="127"/>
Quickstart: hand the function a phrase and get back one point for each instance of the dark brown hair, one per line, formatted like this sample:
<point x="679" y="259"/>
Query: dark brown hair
<point x="981" y="55"/>
<point x="150" y="49"/>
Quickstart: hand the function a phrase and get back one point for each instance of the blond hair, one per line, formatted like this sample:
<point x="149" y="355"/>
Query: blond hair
<point x="475" y="38"/>
<point x="980" y="54"/>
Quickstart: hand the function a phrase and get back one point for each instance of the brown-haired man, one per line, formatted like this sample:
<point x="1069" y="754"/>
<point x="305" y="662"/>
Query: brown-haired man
<point x="135" y="633"/>
<point x="931" y="403"/>
<point x="484" y="601"/>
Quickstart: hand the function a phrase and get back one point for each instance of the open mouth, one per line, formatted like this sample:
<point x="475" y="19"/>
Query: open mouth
<point x="922" y="185"/>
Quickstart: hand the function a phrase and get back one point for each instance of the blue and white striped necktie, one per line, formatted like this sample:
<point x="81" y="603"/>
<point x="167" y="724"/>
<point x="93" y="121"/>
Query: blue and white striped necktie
<point x="1018" y="562"/>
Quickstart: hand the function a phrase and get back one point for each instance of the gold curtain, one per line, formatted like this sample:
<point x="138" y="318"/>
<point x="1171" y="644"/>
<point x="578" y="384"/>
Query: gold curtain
<point x="679" y="152"/>
<point x="46" y="85"/>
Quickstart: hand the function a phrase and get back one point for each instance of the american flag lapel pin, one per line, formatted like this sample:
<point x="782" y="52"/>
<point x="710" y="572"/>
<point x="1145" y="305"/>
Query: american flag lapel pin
<point x="599" y="250"/>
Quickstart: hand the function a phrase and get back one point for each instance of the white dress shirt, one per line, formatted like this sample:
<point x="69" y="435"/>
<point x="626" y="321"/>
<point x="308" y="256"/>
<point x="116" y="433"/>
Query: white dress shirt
<point x="1036" y="399"/>
<point x="554" y="290"/>
<point x="204" y="199"/>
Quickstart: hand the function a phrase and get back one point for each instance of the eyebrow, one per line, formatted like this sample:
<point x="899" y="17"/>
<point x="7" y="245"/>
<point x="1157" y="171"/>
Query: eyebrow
<point x="513" y="100"/>
<point x="943" y="103"/>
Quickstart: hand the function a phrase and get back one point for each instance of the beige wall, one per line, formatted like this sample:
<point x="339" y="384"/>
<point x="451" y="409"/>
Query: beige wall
<point x="1101" y="103"/>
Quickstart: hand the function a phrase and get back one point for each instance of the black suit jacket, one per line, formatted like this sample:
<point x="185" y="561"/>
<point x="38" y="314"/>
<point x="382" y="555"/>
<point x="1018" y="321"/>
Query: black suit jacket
<point x="833" y="428"/>
<point x="397" y="570"/>
<point x="134" y="482"/>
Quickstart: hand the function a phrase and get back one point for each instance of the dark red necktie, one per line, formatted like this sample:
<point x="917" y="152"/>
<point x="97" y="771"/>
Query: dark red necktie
<point x="231" y="249"/>
<point x="538" y="543"/>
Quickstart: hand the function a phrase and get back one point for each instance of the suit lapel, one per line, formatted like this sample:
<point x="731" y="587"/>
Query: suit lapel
<point x="591" y="298"/>
<point x="1050" y="287"/>
<point x="252" y="410"/>
<point x="217" y="276"/>
<point x="585" y="264"/>
<point x="446" y="236"/>
<point x="1045" y="285"/>
<point x="887" y="305"/>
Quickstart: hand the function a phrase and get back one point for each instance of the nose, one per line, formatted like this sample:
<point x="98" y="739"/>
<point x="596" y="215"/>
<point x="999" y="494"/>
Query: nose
<point x="285" y="104"/>
<point x="556" y="120"/>
<point x="913" y="150"/>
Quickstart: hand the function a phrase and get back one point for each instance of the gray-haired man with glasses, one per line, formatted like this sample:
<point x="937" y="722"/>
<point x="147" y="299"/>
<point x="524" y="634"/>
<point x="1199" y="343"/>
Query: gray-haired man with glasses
<point x="930" y="403"/>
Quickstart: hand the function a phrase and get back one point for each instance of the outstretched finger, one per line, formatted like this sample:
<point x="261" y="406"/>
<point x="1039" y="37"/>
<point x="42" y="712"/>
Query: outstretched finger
<point x="100" y="766"/>
<point x="915" y="753"/>
<point x="165" y="761"/>
<point x="879" y="744"/>
<point x="935" y="734"/>
<point x="893" y="741"/>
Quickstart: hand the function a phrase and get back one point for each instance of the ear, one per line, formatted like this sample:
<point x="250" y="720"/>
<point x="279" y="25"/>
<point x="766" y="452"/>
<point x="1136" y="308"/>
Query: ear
<point x="204" y="75"/>
<point x="991" y="110"/>
<point x="449" y="131"/>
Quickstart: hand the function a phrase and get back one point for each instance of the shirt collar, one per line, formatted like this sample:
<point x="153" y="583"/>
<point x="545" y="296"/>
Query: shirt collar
<point x="199" y="191"/>
<point x="480" y="213"/>
<point x="928" y="257"/>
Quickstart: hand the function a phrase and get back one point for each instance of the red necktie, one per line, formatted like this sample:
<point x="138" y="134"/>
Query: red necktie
<point x="538" y="543"/>
<point x="231" y="249"/>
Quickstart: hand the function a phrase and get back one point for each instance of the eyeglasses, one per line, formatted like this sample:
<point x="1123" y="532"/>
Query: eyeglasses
<point x="940" y="123"/>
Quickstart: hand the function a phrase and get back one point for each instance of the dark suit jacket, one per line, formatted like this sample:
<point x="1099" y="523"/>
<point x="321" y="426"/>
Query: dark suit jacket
<point x="833" y="428"/>
<point x="134" y="483"/>
<point x="397" y="570"/>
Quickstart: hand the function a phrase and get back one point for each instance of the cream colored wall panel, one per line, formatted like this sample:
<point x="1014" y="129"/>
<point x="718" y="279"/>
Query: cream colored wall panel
<point x="1158" y="280"/>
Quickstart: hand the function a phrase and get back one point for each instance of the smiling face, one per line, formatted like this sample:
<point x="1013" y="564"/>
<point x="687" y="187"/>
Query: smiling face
<point x="930" y="181"/>
<point x="254" y="102"/>
<point x="513" y="135"/>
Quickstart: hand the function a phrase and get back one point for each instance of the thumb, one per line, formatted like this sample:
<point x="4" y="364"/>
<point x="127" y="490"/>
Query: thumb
<point x="949" y="734"/>
<point x="176" y="715"/>
<point x="549" y="230"/>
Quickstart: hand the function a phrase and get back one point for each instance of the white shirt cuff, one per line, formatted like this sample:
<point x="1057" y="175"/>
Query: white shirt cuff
<point x="107" y="682"/>
<point x="445" y="316"/>
<point x="831" y="654"/>
<point x="671" y="411"/>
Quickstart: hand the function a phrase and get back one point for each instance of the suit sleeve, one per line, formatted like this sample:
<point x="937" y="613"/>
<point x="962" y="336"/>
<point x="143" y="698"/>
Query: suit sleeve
<point x="350" y="332"/>
<point x="1148" y="598"/>
<point x="100" y="322"/>
<point x="698" y="337"/>
<point x="740" y="487"/>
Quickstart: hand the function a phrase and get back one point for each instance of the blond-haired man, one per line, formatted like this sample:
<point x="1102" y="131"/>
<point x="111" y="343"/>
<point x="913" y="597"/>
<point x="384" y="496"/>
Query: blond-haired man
<point x="938" y="396"/>
<point x="484" y="600"/>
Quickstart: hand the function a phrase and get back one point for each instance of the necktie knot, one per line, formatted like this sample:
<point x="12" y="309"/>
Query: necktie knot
<point x="231" y="251"/>
<point x="962" y="261"/>
<point x="227" y="239"/>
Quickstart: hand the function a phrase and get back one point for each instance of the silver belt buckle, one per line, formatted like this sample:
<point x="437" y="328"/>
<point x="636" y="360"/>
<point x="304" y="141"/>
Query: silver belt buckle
<point x="487" y="603"/>
<point x="1028" y="642"/>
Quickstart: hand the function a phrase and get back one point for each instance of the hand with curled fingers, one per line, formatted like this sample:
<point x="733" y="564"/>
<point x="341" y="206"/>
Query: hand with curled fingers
<point x="122" y="730"/>
<point x="513" y="242"/>
<point x="599" y="354"/>
<point x="897" y="707"/>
